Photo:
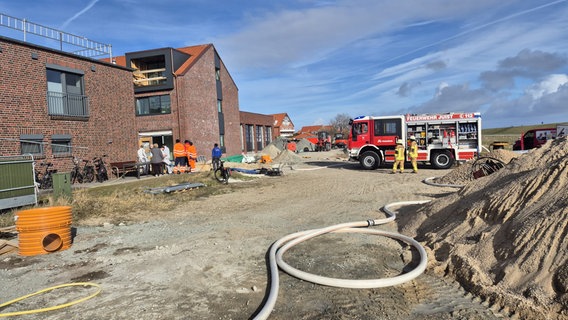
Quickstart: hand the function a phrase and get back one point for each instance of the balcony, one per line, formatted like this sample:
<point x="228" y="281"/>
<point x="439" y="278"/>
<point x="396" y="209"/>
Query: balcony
<point x="67" y="105"/>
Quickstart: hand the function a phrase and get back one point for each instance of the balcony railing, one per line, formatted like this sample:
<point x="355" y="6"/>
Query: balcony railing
<point x="67" y="104"/>
<point x="67" y="42"/>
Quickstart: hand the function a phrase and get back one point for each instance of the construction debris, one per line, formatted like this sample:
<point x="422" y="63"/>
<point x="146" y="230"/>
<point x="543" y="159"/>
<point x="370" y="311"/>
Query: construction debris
<point x="8" y="241"/>
<point x="178" y="187"/>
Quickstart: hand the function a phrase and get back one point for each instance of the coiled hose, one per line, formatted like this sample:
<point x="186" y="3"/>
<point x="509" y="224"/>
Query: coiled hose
<point x="279" y="247"/>
<point x="64" y="305"/>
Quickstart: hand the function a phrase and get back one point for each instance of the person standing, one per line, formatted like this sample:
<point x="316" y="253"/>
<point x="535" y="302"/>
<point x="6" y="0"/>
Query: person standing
<point x="216" y="154"/>
<point x="191" y="154"/>
<point x="398" y="157"/>
<point x="186" y="146"/>
<point x="166" y="161"/>
<point x="156" y="160"/>
<point x="413" y="154"/>
<point x="180" y="159"/>
<point x="142" y="159"/>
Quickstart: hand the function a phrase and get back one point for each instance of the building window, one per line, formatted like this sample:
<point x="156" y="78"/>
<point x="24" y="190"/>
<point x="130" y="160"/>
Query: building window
<point x="153" y="105"/>
<point x="217" y="74"/>
<point x="149" y="71"/>
<point x="61" y="145"/>
<point x="65" y="95"/>
<point x="258" y="138"/>
<point x="219" y="105"/>
<point x="32" y="143"/>
<point x="267" y="135"/>
<point x="249" y="135"/>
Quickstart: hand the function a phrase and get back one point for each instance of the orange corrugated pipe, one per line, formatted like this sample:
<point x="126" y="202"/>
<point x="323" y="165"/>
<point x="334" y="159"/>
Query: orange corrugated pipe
<point x="43" y="230"/>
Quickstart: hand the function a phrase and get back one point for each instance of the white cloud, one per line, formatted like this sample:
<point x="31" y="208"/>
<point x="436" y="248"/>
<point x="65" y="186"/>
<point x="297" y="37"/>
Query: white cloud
<point x="441" y="88"/>
<point x="549" y="85"/>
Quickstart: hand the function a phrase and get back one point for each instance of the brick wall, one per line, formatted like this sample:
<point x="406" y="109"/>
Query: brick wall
<point x="195" y="99"/>
<point x="23" y="104"/>
<point x="257" y="120"/>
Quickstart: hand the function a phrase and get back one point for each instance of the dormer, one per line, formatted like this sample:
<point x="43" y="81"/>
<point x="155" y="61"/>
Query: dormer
<point x="153" y="70"/>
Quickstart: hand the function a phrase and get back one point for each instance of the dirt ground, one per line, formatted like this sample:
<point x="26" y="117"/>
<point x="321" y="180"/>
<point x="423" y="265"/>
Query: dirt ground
<point x="207" y="258"/>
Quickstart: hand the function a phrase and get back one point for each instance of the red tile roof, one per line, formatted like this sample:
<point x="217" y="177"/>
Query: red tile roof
<point x="278" y="118"/>
<point x="194" y="52"/>
<point x="314" y="129"/>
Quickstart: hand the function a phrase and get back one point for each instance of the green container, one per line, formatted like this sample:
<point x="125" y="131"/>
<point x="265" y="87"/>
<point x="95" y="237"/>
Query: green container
<point x="62" y="185"/>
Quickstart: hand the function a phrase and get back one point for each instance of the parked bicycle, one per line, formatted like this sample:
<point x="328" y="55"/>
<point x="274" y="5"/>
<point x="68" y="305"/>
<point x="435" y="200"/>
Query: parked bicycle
<point x="101" y="171"/>
<point x="222" y="173"/>
<point x="215" y="163"/>
<point x="45" y="179"/>
<point x="88" y="172"/>
<point x="76" y="173"/>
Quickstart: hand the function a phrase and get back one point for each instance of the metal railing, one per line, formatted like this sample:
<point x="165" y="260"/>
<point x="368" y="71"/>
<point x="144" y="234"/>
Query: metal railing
<point x="67" y="104"/>
<point x="85" y="47"/>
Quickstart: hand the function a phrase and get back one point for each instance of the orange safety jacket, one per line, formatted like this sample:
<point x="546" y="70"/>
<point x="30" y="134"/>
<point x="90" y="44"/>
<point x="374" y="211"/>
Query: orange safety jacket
<point x="191" y="152"/>
<point x="179" y="150"/>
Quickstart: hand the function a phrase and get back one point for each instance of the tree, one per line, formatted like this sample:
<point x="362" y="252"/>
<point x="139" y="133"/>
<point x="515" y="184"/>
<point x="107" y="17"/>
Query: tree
<point x="340" y="123"/>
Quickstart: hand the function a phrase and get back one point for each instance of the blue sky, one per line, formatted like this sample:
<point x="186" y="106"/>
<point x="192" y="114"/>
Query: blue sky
<point x="315" y="59"/>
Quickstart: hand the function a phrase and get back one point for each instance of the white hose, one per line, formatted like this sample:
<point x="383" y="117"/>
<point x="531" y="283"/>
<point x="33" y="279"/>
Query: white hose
<point x="430" y="182"/>
<point x="279" y="247"/>
<point x="317" y="168"/>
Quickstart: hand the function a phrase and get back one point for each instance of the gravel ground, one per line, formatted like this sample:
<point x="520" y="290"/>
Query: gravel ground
<point x="206" y="259"/>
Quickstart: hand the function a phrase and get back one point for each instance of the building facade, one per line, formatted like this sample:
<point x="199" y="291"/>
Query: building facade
<point x="256" y="131"/>
<point x="56" y="106"/>
<point x="187" y="94"/>
<point x="283" y="126"/>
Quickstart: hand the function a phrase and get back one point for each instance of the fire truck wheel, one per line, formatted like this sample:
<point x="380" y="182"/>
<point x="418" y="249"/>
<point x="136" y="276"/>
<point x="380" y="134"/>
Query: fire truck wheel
<point x="442" y="160"/>
<point x="369" y="160"/>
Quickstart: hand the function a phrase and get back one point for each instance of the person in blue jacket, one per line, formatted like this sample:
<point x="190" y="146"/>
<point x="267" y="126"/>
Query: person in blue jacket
<point x="216" y="154"/>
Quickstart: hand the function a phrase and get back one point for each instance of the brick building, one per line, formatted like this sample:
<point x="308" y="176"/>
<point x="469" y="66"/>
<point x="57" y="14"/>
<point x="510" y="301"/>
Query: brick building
<point x="283" y="126"/>
<point x="57" y="105"/>
<point x="184" y="93"/>
<point x="256" y="131"/>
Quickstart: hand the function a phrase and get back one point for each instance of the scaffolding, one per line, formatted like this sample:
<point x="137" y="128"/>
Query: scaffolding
<point x="78" y="45"/>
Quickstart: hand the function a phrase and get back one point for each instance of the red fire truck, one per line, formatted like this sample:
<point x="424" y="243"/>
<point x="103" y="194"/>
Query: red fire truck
<point x="442" y="138"/>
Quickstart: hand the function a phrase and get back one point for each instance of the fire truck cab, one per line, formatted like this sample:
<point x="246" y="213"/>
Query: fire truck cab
<point x="442" y="138"/>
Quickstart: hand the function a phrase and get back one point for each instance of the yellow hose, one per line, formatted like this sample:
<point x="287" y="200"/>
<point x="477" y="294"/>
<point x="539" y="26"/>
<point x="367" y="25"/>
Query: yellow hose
<point x="61" y="306"/>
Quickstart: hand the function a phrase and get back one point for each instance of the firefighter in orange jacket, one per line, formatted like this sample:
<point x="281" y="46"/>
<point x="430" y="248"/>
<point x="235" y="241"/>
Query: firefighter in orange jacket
<point x="180" y="159"/>
<point x="191" y="154"/>
<point x="413" y="154"/>
<point x="398" y="157"/>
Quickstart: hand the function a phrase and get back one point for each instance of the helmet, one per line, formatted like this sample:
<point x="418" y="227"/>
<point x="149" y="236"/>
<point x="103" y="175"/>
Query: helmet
<point x="398" y="141"/>
<point x="412" y="138"/>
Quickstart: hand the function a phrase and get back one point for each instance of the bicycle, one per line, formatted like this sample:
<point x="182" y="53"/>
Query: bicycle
<point x="222" y="173"/>
<point x="215" y="163"/>
<point x="76" y="174"/>
<point x="101" y="172"/>
<point x="88" y="172"/>
<point x="45" y="179"/>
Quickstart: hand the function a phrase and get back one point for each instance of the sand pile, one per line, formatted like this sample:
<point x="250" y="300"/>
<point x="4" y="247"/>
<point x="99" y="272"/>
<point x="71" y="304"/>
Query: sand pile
<point x="504" y="236"/>
<point x="305" y="145"/>
<point x="279" y="143"/>
<point x="287" y="157"/>
<point x="270" y="150"/>
<point x="464" y="173"/>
